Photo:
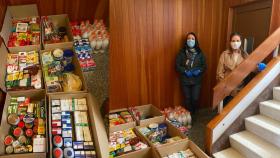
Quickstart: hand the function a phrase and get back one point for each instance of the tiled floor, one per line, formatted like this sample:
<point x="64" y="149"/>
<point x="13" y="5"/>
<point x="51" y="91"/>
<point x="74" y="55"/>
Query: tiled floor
<point x="97" y="80"/>
<point x="197" y="132"/>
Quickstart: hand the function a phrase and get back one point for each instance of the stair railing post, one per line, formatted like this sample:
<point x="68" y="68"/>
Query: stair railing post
<point x="275" y="52"/>
<point x="220" y="107"/>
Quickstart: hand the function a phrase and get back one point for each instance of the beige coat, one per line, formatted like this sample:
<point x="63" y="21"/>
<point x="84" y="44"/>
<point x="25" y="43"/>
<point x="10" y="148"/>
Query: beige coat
<point x="228" y="62"/>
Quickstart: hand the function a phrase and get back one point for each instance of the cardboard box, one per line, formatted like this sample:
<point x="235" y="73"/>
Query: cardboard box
<point x="61" y="20"/>
<point x="77" y="70"/>
<point x="144" y="153"/>
<point x="17" y="12"/>
<point x="149" y="110"/>
<point x="171" y="130"/>
<point x="121" y="126"/>
<point x="168" y="149"/>
<point x="96" y="122"/>
<point x="3" y="67"/>
<point x="36" y="95"/>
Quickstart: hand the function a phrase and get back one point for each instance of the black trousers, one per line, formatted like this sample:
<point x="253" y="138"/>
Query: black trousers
<point x="191" y="96"/>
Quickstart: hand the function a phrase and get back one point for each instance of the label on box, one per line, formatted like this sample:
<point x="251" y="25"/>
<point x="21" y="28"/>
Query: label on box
<point x="67" y="142"/>
<point x="66" y="105"/>
<point x="77" y="153"/>
<point x="56" y="116"/>
<point x="65" y="113"/>
<point x="78" y="145"/>
<point x="86" y="132"/>
<point x="88" y="145"/>
<point x="39" y="145"/>
<point x="66" y="121"/>
<point x="79" y="133"/>
<point x="56" y="109"/>
<point x="66" y="133"/>
<point x="65" y="117"/>
<point x="56" y="131"/>
<point x="56" y="123"/>
<point x="67" y="126"/>
<point x="55" y="102"/>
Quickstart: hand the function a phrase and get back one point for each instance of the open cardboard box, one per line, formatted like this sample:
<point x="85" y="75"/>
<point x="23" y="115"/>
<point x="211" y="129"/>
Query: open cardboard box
<point x="3" y="66"/>
<point x="96" y="122"/>
<point x="77" y="70"/>
<point x="18" y="12"/>
<point x="167" y="149"/>
<point x="149" y="110"/>
<point x="35" y="95"/>
<point x="144" y="153"/>
<point x="171" y="130"/>
<point x="61" y="20"/>
<point x="121" y="126"/>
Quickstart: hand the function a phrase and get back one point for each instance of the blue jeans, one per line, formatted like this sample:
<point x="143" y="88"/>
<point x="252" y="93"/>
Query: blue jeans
<point x="191" y="96"/>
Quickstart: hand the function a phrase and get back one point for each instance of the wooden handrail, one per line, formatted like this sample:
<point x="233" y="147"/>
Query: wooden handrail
<point x="225" y="87"/>
<point x="231" y="105"/>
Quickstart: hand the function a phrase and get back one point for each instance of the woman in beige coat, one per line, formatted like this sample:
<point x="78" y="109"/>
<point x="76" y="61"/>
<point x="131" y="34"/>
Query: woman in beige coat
<point x="229" y="60"/>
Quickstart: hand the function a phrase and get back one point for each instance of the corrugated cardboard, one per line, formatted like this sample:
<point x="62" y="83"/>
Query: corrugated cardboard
<point x="168" y="149"/>
<point x="122" y="126"/>
<point x="97" y="126"/>
<point x="3" y="63"/>
<point x="149" y="110"/>
<point x="61" y="20"/>
<point x="77" y="71"/>
<point x="17" y="12"/>
<point x="3" y="69"/>
<point x="171" y="130"/>
<point x="144" y="153"/>
<point x="4" y="127"/>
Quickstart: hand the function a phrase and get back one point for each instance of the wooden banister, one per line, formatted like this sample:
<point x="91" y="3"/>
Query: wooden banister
<point x="225" y="87"/>
<point x="231" y="105"/>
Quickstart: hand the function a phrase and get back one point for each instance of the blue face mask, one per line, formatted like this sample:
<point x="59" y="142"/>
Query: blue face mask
<point x="191" y="43"/>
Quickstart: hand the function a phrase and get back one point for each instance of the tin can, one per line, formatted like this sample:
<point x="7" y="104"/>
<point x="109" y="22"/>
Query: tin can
<point x="9" y="149"/>
<point x="8" y="140"/>
<point x="13" y="119"/>
<point x="29" y="132"/>
<point x="22" y="139"/>
<point x="57" y="153"/>
<point x="18" y="132"/>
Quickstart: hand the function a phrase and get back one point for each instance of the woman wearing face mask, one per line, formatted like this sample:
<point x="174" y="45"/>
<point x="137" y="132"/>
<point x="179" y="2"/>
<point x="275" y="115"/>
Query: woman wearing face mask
<point x="190" y="63"/>
<point x="229" y="60"/>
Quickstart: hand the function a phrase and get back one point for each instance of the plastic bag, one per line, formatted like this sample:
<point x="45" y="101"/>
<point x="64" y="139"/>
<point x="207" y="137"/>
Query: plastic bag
<point x="71" y="82"/>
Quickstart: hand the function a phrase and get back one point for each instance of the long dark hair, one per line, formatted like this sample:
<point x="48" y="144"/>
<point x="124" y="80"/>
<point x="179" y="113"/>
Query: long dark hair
<point x="243" y="52"/>
<point x="196" y="46"/>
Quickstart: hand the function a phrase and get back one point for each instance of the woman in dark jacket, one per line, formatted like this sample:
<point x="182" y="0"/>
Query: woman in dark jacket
<point x="190" y="63"/>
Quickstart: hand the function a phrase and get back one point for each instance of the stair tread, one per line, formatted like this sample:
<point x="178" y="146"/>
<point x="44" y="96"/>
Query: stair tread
<point x="228" y="153"/>
<point x="266" y="123"/>
<point x="272" y="103"/>
<point x="256" y="144"/>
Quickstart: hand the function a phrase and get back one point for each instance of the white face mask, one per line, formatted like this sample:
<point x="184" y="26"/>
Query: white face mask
<point x="235" y="45"/>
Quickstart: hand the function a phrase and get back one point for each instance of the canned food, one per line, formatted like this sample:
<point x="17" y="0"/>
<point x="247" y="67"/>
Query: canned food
<point x="22" y="139"/>
<point x="8" y="140"/>
<point x="9" y="149"/>
<point x="18" y="132"/>
<point x="13" y="119"/>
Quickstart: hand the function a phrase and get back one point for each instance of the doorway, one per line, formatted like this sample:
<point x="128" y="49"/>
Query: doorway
<point x="252" y="21"/>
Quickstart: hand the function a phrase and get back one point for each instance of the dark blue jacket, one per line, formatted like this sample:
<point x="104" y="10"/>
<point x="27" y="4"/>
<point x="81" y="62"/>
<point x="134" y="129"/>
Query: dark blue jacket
<point x="181" y="66"/>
